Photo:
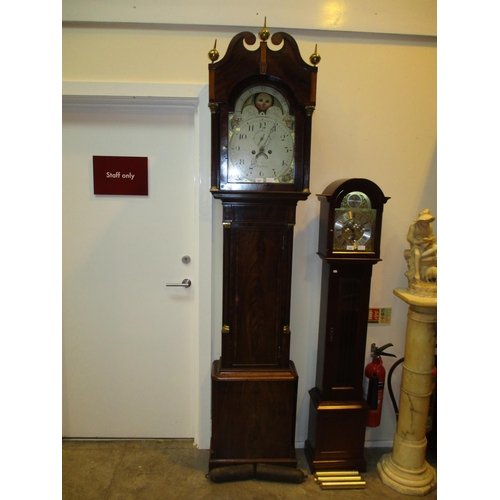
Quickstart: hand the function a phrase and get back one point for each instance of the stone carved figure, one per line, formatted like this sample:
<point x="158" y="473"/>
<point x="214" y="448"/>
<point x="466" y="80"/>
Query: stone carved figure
<point x="422" y="256"/>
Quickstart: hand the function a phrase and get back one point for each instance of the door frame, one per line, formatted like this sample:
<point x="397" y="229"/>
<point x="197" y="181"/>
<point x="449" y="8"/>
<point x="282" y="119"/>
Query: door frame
<point x="196" y="97"/>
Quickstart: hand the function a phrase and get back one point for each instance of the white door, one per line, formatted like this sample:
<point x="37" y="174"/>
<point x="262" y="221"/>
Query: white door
<point x="130" y="343"/>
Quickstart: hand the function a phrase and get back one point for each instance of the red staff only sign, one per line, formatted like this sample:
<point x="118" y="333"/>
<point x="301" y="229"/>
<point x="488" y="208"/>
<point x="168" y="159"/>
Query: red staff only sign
<point x="121" y="175"/>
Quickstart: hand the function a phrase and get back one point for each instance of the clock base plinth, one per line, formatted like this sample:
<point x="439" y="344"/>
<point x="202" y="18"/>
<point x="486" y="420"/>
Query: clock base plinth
<point x="336" y="434"/>
<point x="253" y="416"/>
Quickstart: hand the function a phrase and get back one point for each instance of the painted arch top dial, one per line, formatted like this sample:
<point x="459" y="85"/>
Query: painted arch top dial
<point x="261" y="142"/>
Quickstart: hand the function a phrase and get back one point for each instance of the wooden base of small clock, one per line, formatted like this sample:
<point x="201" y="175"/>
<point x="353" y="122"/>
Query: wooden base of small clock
<point x="336" y="434"/>
<point x="253" y="417"/>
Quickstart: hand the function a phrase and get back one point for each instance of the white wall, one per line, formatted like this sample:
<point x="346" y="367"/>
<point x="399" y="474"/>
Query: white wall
<point x="375" y="118"/>
<point x="409" y="17"/>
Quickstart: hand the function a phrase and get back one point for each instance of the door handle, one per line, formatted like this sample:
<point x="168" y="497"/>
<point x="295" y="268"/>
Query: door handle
<point x="186" y="283"/>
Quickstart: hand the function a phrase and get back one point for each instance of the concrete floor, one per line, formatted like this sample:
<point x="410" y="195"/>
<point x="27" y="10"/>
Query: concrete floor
<point x="175" y="469"/>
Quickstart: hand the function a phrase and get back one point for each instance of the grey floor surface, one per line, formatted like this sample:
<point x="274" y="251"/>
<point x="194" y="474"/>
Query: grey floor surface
<point x="175" y="469"/>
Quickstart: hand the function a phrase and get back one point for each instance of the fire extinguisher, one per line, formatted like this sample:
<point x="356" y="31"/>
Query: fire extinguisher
<point x="373" y="387"/>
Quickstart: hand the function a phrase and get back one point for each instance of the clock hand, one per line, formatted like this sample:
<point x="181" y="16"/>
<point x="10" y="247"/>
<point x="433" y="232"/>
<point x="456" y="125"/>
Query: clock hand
<point x="273" y="129"/>
<point x="262" y="136"/>
<point x="268" y="136"/>
<point x="263" y="147"/>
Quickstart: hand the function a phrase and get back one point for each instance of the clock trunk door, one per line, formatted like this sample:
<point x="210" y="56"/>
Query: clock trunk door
<point x="257" y="308"/>
<point x="345" y="332"/>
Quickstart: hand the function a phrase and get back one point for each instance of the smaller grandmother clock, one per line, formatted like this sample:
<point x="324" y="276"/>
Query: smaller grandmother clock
<point x="349" y="246"/>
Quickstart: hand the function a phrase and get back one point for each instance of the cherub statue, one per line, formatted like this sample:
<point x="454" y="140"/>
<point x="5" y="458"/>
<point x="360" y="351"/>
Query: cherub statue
<point x="422" y="255"/>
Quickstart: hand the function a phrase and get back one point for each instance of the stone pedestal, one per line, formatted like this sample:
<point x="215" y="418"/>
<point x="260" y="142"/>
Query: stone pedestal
<point x="405" y="469"/>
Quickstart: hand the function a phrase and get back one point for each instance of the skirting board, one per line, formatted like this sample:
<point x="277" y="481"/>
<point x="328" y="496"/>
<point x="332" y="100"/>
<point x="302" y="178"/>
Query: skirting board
<point x="368" y="444"/>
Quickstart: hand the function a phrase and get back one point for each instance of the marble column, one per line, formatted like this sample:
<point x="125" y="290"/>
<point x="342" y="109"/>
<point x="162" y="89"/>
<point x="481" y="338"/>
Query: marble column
<point x="405" y="469"/>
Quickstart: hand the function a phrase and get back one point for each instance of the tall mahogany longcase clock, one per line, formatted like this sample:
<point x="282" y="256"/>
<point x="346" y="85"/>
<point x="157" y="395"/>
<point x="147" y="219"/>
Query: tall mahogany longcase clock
<point x="349" y="245"/>
<point x="261" y="103"/>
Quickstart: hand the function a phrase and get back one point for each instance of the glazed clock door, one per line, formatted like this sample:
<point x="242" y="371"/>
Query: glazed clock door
<point x="261" y="138"/>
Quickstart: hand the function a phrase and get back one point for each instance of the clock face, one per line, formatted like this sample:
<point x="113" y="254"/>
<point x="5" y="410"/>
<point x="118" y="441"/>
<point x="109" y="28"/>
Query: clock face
<point x="354" y="224"/>
<point x="261" y="141"/>
<point x="353" y="230"/>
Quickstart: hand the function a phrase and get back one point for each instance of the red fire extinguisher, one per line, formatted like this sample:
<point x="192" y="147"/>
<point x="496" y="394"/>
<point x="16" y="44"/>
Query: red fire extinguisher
<point x="373" y="387"/>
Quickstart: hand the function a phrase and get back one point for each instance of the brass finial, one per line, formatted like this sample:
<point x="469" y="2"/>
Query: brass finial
<point x="213" y="55"/>
<point x="315" y="57"/>
<point x="264" y="32"/>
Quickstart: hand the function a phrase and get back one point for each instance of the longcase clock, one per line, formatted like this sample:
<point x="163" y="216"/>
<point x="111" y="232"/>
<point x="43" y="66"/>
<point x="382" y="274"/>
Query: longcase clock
<point x="261" y="103"/>
<point x="349" y="246"/>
